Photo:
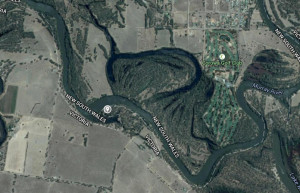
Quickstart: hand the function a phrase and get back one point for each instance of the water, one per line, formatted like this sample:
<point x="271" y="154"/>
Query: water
<point x="209" y="167"/>
<point x="3" y="133"/>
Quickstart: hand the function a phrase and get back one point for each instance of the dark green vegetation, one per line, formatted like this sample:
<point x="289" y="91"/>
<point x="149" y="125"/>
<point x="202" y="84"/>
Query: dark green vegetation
<point x="223" y="114"/>
<point x="193" y="96"/>
<point x="140" y="2"/>
<point x="8" y="101"/>
<point x="278" y="21"/>
<point x="150" y="74"/>
<point x="150" y="79"/>
<point x="1" y="86"/>
<point x="177" y="107"/>
<point x="272" y="26"/>
<point x="105" y="53"/>
<point x="294" y="158"/>
<point x="50" y="23"/>
<point x="3" y="132"/>
<point x="101" y="13"/>
<point x="76" y="81"/>
<point x="11" y="27"/>
<point x="224" y="189"/>
<point x="48" y="2"/>
<point x="59" y="5"/>
<point x="221" y="41"/>
<point x="290" y="125"/>
<point x="131" y="122"/>
<point x="77" y="36"/>
<point x="248" y="172"/>
<point x="283" y="123"/>
<point x="280" y="155"/>
<point x="107" y="15"/>
<point x="289" y="138"/>
<point x="270" y="69"/>
<point x="289" y="9"/>
<point x="245" y="130"/>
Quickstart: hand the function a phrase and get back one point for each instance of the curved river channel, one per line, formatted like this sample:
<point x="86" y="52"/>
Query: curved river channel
<point x="209" y="168"/>
<point x="3" y="133"/>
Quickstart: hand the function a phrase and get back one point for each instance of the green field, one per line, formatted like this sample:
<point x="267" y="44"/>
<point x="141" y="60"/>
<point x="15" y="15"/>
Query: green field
<point x="222" y="114"/>
<point x="8" y="101"/>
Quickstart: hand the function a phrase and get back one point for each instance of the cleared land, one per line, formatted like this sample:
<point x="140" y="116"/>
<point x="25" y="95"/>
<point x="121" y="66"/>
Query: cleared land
<point x="33" y="185"/>
<point x="16" y="153"/>
<point x="139" y="170"/>
<point x="37" y="84"/>
<point x="79" y="153"/>
<point x="126" y="38"/>
<point x="37" y="77"/>
<point x="296" y="99"/>
<point x="27" y="148"/>
<point x="94" y="68"/>
<point x="6" y="181"/>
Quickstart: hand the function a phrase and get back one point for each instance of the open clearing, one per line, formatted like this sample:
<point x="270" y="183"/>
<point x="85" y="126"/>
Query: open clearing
<point x="27" y="148"/>
<point x="79" y="153"/>
<point x="94" y="68"/>
<point x="36" y="77"/>
<point x="140" y="170"/>
<point x="37" y="86"/>
<point x="126" y="38"/>
<point x="24" y="184"/>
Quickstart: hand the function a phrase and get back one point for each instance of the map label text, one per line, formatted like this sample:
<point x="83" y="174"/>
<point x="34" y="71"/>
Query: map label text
<point x="79" y="118"/>
<point x="287" y="44"/>
<point x="3" y="10"/>
<point x="164" y="134"/>
<point x="297" y="34"/>
<point x="267" y="90"/>
<point x="86" y="108"/>
<point x="152" y="145"/>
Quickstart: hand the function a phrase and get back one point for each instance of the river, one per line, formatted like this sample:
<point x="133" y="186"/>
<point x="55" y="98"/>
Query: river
<point x="209" y="168"/>
<point x="281" y="157"/>
<point x="272" y="26"/>
<point x="3" y="132"/>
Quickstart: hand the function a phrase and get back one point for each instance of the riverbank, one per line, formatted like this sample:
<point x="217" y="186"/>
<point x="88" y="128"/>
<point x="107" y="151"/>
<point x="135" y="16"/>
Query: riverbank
<point x="209" y="168"/>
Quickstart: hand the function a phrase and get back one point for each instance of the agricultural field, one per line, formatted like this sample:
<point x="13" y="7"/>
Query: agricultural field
<point x="27" y="148"/>
<point x="8" y="101"/>
<point x="148" y="170"/>
<point x="75" y="151"/>
<point x="174" y="84"/>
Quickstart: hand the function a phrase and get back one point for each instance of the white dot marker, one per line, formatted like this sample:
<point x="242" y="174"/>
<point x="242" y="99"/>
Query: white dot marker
<point x="107" y="109"/>
<point x="222" y="56"/>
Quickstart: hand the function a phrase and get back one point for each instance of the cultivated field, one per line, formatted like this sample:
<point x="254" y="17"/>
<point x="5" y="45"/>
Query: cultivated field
<point x="139" y="170"/>
<point x="79" y="153"/>
<point x="8" y="101"/>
